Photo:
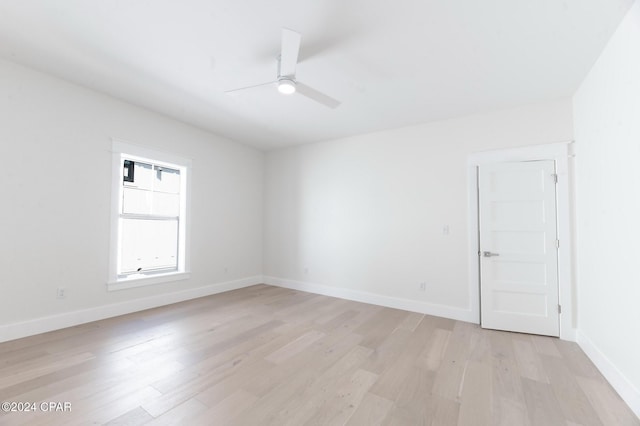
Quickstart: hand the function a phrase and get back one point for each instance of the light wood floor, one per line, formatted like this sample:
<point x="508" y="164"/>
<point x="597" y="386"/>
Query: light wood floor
<point x="265" y="355"/>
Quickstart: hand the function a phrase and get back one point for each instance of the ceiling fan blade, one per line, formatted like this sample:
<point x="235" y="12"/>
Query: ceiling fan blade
<point x="313" y="94"/>
<point x="249" y="87"/>
<point x="289" y="52"/>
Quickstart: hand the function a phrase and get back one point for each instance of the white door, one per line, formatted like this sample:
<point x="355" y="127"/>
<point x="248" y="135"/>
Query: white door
<point x="518" y="247"/>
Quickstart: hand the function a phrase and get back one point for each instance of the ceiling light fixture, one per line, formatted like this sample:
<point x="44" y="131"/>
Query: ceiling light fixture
<point x="286" y="86"/>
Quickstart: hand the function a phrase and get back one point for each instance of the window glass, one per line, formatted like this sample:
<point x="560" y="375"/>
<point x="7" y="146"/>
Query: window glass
<point x="142" y="176"/>
<point x="149" y="219"/>
<point x="167" y="180"/>
<point x="149" y="245"/>
<point x="166" y="204"/>
<point x="136" y="201"/>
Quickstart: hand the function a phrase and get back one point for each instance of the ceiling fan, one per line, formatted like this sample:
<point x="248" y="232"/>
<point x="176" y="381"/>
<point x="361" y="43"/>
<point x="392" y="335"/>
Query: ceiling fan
<point x="286" y="80"/>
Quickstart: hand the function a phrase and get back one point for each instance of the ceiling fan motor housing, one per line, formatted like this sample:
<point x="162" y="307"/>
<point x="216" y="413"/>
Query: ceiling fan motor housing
<point x="286" y="85"/>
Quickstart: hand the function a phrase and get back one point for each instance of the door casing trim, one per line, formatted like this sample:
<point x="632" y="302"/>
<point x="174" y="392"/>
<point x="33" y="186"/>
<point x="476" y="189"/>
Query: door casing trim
<point x="562" y="154"/>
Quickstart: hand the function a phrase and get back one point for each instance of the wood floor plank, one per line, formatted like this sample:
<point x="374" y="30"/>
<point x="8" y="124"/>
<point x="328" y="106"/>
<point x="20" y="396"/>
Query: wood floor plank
<point x="365" y="313"/>
<point x="324" y="353"/>
<point x="528" y="361"/>
<point x="294" y="347"/>
<point x="336" y="308"/>
<point x="113" y="403"/>
<point x="393" y="380"/>
<point x="476" y="398"/>
<point x="448" y="380"/>
<point x="273" y="356"/>
<point x="576" y="359"/>
<point x="371" y="411"/>
<point x="230" y="359"/>
<point x="226" y="411"/>
<point x="188" y="390"/>
<point x="334" y="320"/>
<point x="442" y="411"/>
<point x="433" y="353"/>
<point x="385" y="354"/>
<point x="44" y="387"/>
<point x="606" y="402"/>
<point x="254" y="366"/>
<point x="97" y="392"/>
<point x="307" y="401"/>
<point x="546" y="346"/>
<point x="35" y="368"/>
<point x="267" y="407"/>
<point x="218" y="391"/>
<point x="49" y="338"/>
<point x="542" y="405"/>
<point x="179" y="415"/>
<point x="376" y="329"/>
<point x="101" y="407"/>
<point x="20" y="356"/>
<point x="414" y="398"/>
<point x="134" y="417"/>
<point x="509" y="412"/>
<point x="341" y="406"/>
<point x="411" y="321"/>
<point x="507" y="382"/>
<point x="574" y="403"/>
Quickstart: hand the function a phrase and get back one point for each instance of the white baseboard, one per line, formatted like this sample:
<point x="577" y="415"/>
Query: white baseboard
<point x="68" y="319"/>
<point x="376" y="299"/>
<point x="627" y="391"/>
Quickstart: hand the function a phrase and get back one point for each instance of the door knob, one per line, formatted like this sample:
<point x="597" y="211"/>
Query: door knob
<point x="489" y="254"/>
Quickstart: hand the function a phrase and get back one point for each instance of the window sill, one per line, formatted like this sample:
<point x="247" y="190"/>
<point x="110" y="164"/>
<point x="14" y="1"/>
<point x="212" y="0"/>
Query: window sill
<point x="143" y="280"/>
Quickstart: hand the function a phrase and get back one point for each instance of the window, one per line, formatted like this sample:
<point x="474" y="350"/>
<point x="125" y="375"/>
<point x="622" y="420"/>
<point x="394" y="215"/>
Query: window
<point x="149" y="217"/>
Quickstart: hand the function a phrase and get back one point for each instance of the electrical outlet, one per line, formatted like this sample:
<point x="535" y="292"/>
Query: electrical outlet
<point x="61" y="293"/>
<point x="423" y="286"/>
<point x="445" y="230"/>
<point x="306" y="270"/>
<point x="226" y="269"/>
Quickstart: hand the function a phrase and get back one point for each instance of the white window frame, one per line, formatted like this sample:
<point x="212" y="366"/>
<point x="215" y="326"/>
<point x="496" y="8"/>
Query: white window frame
<point x="121" y="149"/>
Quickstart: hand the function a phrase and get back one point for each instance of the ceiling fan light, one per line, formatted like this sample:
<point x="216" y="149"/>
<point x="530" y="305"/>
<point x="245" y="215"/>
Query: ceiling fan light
<point x="286" y="86"/>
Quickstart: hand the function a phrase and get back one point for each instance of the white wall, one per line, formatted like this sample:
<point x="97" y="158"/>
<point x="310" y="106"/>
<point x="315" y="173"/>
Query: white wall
<point x="55" y="141"/>
<point x="607" y="127"/>
<point x="364" y="216"/>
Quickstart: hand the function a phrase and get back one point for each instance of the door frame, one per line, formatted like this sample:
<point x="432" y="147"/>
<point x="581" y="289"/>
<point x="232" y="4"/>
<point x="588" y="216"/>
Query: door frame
<point x="562" y="154"/>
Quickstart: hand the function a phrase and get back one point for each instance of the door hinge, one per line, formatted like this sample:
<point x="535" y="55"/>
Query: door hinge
<point x="555" y="177"/>
<point x="559" y="309"/>
<point x="557" y="243"/>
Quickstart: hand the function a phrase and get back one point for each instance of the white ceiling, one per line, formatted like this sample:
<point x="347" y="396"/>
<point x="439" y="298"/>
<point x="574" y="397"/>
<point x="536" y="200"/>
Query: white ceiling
<point x="390" y="63"/>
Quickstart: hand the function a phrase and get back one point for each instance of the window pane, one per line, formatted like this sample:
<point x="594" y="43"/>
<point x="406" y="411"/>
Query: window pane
<point x="148" y="245"/>
<point x="136" y="201"/>
<point x="142" y="176"/>
<point x="166" y="204"/>
<point x="167" y="180"/>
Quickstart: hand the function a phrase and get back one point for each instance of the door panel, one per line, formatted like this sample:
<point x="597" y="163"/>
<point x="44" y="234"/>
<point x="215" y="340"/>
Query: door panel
<point x="518" y="263"/>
